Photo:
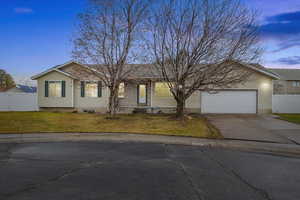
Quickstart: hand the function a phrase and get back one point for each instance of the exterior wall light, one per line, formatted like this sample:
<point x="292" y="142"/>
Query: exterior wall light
<point x="265" y="85"/>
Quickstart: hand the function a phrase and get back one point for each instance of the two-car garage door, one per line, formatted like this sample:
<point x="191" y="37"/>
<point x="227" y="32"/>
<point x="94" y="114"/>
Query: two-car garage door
<point x="231" y="101"/>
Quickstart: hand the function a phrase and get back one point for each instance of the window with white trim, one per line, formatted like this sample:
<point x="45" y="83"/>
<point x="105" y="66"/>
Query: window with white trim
<point x="55" y="88"/>
<point x="121" y="91"/>
<point x="296" y="83"/>
<point x="162" y="90"/>
<point x="91" y="89"/>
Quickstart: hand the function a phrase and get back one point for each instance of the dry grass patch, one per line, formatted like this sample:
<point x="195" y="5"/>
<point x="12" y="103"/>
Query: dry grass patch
<point x="43" y="122"/>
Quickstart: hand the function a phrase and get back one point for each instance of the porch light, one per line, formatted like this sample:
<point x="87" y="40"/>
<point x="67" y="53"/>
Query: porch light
<point x="265" y="85"/>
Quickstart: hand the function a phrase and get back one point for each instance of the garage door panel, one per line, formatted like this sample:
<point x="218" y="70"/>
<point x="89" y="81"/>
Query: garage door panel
<point x="242" y="102"/>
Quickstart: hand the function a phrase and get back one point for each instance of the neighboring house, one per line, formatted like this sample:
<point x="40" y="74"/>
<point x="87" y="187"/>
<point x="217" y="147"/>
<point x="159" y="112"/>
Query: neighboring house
<point x="22" y="89"/>
<point x="289" y="82"/>
<point x="73" y="86"/>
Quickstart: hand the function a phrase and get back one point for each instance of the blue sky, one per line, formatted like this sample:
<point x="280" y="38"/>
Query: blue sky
<point x="36" y="34"/>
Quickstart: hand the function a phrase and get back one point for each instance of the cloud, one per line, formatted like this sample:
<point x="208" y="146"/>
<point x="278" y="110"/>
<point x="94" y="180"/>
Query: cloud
<point x="283" y="28"/>
<point x="292" y="60"/>
<point x="23" y="10"/>
<point x="286" y="44"/>
<point x="285" y="17"/>
<point x="281" y="25"/>
<point x="280" y="30"/>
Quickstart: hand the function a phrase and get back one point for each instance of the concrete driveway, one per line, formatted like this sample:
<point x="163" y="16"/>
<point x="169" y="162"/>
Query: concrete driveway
<point x="264" y="128"/>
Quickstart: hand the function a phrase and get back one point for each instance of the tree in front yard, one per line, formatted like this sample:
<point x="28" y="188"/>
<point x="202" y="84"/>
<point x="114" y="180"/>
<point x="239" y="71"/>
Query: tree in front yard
<point x="198" y="45"/>
<point x="107" y="36"/>
<point x="6" y="81"/>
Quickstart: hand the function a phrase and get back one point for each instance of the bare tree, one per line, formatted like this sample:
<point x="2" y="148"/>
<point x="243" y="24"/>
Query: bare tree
<point x="107" y="36"/>
<point x="198" y="45"/>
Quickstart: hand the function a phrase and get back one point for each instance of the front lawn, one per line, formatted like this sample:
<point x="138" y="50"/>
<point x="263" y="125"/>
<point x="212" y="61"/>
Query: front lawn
<point x="295" y="118"/>
<point x="42" y="122"/>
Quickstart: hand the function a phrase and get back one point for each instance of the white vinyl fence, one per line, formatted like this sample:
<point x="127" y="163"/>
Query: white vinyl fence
<point x="286" y="104"/>
<point x="18" y="102"/>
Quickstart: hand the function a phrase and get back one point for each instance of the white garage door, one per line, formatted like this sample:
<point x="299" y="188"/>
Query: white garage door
<point x="243" y="102"/>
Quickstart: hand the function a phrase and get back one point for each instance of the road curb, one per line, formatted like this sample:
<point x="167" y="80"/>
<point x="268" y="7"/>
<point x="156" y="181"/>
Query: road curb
<point x="173" y="140"/>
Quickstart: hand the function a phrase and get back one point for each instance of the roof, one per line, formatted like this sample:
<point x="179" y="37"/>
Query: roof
<point x="26" y="88"/>
<point x="143" y="71"/>
<point x="259" y="68"/>
<point x="57" y="69"/>
<point x="287" y="74"/>
<point x="138" y="71"/>
<point x="23" y="88"/>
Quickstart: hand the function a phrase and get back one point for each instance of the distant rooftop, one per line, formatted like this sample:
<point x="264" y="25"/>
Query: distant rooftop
<point x="287" y="74"/>
<point x="26" y="88"/>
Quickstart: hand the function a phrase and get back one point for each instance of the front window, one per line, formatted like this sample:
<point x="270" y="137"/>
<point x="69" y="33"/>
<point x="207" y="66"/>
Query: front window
<point x="162" y="90"/>
<point x="55" y="88"/>
<point x="121" y="90"/>
<point x="91" y="89"/>
<point x="296" y="83"/>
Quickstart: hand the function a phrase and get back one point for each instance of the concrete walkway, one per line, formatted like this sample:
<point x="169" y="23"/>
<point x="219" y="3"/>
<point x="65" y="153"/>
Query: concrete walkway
<point x="264" y="128"/>
<point x="285" y="148"/>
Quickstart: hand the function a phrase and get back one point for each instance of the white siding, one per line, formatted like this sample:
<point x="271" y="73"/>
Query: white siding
<point x="193" y="101"/>
<point x="90" y="102"/>
<point x="55" y="102"/>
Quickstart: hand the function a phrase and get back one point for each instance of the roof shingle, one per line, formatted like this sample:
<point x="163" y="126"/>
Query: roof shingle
<point x="137" y="71"/>
<point x="288" y="74"/>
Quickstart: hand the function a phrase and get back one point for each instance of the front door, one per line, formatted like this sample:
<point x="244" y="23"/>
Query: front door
<point x="142" y="94"/>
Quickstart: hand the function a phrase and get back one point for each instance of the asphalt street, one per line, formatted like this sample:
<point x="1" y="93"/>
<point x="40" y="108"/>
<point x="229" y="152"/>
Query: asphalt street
<point x="114" y="170"/>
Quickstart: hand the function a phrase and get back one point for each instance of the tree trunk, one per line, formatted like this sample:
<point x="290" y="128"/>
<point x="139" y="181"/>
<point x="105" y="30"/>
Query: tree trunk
<point x="113" y="103"/>
<point x="180" y="109"/>
<point x="180" y="100"/>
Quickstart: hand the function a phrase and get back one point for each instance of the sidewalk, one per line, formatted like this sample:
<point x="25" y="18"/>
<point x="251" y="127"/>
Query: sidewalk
<point x="125" y="137"/>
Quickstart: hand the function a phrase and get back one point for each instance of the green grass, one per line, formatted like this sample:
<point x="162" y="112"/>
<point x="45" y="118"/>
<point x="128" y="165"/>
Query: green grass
<point x="295" y="118"/>
<point x="45" y="122"/>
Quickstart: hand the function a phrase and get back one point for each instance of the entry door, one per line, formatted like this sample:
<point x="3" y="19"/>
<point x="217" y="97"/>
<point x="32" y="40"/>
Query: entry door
<point x="142" y="94"/>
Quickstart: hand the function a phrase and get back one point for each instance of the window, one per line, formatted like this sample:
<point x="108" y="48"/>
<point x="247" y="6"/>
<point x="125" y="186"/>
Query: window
<point x="121" y="90"/>
<point x="162" y="90"/>
<point x="142" y="94"/>
<point x="55" y="88"/>
<point x="296" y="83"/>
<point x="91" y="89"/>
